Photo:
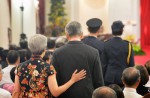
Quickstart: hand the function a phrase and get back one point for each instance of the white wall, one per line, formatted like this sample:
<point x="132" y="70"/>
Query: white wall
<point x="107" y="10"/>
<point x="125" y="10"/>
<point x="4" y="23"/>
<point x="29" y="19"/>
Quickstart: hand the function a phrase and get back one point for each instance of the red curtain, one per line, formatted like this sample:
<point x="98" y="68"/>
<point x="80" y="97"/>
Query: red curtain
<point x="145" y="23"/>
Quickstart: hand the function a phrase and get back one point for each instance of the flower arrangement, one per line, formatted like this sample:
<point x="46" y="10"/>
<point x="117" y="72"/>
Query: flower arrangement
<point x="57" y="18"/>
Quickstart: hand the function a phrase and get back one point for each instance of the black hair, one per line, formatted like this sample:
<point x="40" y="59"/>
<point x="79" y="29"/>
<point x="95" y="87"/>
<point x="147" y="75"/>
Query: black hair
<point x="47" y="56"/>
<point x="22" y="54"/>
<point x="143" y="73"/>
<point x="12" y="74"/>
<point x="4" y="54"/>
<point x="118" y="90"/>
<point x="23" y="44"/>
<point x="51" y="43"/>
<point x="147" y="65"/>
<point x="13" y="47"/>
<point x="93" y="29"/>
<point x="12" y="56"/>
<point x="117" y="32"/>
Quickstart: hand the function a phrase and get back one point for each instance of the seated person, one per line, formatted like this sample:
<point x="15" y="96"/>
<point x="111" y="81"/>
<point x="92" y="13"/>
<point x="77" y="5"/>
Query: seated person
<point x="104" y="92"/>
<point x="118" y="90"/>
<point x="3" y="93"/>
<point x="13" y="60"/>
<point x="51" y="45"/>
<point x="47" y="58"/>
<point x="131" y="80"/>
<point x="147" y="65"/>
<point x="141" y="89"/>
<point x="10" y="86"/>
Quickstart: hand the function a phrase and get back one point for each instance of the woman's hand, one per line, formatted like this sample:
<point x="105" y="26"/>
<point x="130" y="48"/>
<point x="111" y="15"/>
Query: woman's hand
<point x="78" y="76"/>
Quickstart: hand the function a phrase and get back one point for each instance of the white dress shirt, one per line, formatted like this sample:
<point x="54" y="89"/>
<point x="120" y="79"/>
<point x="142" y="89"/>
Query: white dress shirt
<point x="6" y="76"/>
<point x="131" y="93"/>
<point x="4" y="94"/>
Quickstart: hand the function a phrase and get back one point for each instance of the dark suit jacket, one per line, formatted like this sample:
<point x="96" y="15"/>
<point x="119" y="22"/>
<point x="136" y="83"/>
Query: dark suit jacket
<point x="76" y="55"/>
<point x="95" y="43"/>
<point x="115" y="59"/>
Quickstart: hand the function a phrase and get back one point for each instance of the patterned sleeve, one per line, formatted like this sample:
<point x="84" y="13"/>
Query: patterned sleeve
<point x="18" y="70"/>
<point x="51" y="70"/>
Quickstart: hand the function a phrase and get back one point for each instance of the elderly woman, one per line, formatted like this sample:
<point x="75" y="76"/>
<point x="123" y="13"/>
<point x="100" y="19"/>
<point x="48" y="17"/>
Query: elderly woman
<point x="34" y="78"/>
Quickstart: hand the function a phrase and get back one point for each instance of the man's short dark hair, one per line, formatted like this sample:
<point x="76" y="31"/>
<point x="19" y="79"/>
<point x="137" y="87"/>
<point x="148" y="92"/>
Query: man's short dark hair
<point x="12" y="56"/>
<point x="104" y="92"/>
<point x="117" y="27"/>
<point x="51" y="43"/>
<point x="93" y="29"/>
<point x="130" y="76"/>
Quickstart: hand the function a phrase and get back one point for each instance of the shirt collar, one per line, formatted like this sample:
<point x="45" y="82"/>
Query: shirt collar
<point x="129" y="89"/>
<point x="75" y="42"/>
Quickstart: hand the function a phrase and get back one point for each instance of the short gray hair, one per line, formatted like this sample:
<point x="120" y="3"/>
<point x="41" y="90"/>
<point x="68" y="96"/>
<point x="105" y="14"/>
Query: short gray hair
<point x="104" y="92"/>
<point x="73" y="28"/>
<point x="37" y="43"/>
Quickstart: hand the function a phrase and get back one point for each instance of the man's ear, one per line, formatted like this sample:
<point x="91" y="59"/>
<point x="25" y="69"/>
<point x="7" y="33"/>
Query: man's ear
<point x="81" y="35"/>
<point x="7" y="60"/>
<point x="67" y="36"/>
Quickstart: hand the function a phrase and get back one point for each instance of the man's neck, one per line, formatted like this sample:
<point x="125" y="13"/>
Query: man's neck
<point x="74" y="39"/>
<point x="93" y="34"/>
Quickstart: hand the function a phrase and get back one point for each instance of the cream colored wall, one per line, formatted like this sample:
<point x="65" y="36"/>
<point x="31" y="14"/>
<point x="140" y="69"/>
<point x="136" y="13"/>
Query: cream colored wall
<point x="93" y="9"/>
<point x="126" y="10"/>
<point x="29" y="19"/>
<point x="4" y="23"/>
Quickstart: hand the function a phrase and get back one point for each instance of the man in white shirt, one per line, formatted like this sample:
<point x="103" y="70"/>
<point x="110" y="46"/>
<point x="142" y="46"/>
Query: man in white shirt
<point x="13" y="60"/>
<point x="3" y="93"/>
<point x="131" y="80"/>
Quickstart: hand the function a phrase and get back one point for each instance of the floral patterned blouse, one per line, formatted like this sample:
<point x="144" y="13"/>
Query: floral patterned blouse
<point x="33" y="77"/>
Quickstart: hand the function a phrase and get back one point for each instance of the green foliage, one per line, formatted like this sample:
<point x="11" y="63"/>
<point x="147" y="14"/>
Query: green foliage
<point x="57" y="17"/>
<point x="137" y="50"/>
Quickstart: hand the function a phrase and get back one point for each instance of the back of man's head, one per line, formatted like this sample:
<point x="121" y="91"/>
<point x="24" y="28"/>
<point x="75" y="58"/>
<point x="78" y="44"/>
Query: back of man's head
<point x="104" y="92"/>
<point x="94" y="24"/>
<point x="73" y="28"/>
<point x="130" y="76"/>
<point x="117" y="28"/>
<point x="12" y="57"/>
<point x="51" y="43"/>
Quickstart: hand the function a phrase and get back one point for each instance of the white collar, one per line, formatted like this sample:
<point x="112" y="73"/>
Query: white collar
<point x="129" y="89"/>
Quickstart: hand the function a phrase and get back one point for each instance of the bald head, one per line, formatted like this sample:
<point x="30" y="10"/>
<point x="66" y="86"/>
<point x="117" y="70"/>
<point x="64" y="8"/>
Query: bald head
<point x="104" y="92"/>
<point x="130" y="76"/>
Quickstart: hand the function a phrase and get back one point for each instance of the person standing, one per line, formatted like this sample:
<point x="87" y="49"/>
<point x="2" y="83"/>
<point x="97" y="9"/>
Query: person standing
<point x="117" y="55"/>
<point x="94" y="28"/>
<point x="77" y="55"/>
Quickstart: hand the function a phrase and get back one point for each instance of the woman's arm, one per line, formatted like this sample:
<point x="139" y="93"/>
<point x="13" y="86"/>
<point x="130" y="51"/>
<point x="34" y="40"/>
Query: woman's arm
<point x="16" y="91"/>
<point x="57" y="90"/>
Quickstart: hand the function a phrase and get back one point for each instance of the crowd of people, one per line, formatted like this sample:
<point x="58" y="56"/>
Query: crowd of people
<point x="74" y="66"/>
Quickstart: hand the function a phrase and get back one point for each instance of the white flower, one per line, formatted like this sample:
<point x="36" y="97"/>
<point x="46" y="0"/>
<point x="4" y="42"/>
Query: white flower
<point x="35" y="73"/>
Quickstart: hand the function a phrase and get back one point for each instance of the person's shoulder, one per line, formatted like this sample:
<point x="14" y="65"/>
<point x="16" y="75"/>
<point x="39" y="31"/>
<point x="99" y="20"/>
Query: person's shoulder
<point x="89" y="48"/>
<point x="58" y="50"/>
